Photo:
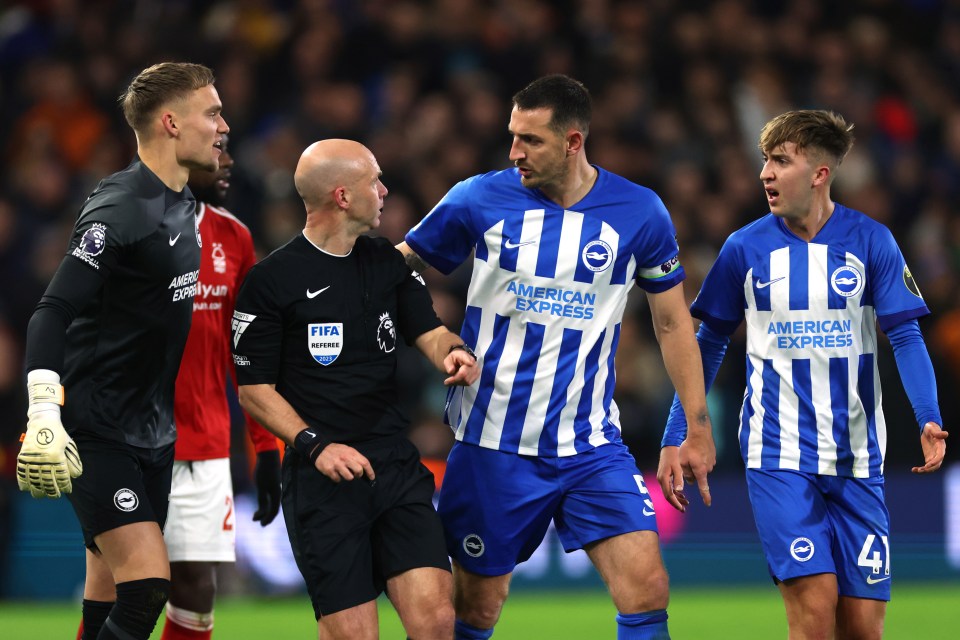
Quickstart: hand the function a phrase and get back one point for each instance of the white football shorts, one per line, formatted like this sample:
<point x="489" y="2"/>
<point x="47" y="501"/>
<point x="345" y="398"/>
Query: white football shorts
<point x="201" y="525"/>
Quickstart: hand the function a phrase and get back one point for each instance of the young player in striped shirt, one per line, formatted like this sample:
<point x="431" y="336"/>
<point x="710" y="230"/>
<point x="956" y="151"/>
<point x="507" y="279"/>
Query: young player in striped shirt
<point x="813" y="279"/>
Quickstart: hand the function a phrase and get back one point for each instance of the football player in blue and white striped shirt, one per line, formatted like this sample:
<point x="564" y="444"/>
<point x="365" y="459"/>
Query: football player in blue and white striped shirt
<point x="558" y="243"/>
<point x="813" y="279"/>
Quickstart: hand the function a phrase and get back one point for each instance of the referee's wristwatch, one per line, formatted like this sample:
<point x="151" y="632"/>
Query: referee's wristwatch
<point x="463" y="347"/>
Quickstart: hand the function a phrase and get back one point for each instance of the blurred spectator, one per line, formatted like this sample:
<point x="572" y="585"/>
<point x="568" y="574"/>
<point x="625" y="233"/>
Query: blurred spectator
<point x="62" y="115"/>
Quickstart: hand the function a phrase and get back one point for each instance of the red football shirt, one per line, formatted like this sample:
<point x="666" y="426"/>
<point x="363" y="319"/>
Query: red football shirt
<point x="200" y="405"/>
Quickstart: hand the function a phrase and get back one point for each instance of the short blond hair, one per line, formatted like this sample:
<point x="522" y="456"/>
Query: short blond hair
<point x="158" y="85"/>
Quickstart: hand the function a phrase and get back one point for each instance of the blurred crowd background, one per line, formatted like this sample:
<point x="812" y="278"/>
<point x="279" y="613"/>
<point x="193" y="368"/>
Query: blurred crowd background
<point x="681" y="90"/>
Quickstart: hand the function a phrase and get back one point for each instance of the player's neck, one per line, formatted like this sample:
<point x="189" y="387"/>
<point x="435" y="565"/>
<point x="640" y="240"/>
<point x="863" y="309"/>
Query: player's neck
<point x="806" y="227"/>
<point x="575" y="188"/>
<point x="163" y="162"/>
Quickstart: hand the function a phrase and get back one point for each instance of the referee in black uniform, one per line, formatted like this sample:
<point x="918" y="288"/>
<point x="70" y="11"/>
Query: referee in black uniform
<point x="110" y="330"/>
<point x="315" y="335"/>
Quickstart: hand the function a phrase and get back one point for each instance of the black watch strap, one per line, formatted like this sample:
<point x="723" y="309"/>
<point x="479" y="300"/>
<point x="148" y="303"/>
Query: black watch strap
<point x="463" y="347"/>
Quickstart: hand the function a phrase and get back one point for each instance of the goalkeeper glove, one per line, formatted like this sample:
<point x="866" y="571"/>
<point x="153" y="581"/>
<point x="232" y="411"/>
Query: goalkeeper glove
<point x="48" y="458"/>
<point x="266" y="476"/>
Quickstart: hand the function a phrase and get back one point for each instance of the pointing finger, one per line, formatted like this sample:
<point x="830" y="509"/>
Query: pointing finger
<point x="704" y="487"/>
<point x="705" y="494"/>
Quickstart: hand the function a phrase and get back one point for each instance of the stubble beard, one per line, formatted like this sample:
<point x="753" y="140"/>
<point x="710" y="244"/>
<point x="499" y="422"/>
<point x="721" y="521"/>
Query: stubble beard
<point x="546" y="179"/>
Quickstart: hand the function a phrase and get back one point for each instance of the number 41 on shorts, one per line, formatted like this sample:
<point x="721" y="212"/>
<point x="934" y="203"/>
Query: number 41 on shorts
<point x="873" y="560"/>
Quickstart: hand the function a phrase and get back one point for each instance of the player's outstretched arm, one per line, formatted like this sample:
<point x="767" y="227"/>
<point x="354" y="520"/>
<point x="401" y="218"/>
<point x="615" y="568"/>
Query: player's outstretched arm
<point x="48" y="459"/>
<point x="414" y="261"/>
<point x="681" y="356"/>
<point x="933" y="440"/>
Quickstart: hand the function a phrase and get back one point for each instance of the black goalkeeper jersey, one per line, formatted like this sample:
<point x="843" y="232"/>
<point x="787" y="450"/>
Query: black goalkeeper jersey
<point x="115" y="317"/>
<point x="324" y="328"/>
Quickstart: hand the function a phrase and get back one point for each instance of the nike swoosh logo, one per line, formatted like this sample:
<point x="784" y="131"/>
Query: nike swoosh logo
<point x="764" y="285"/>
<point x="870" y="579"/>
<point x="648" y="512"/>
<point x="173" y="239"/>
<point x="314" y="294"/>
<point x="509" y="244"/>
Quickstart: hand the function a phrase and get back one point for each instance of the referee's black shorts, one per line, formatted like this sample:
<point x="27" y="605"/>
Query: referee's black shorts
<point x="349" y="537"/>
<point x="120" y="485"/>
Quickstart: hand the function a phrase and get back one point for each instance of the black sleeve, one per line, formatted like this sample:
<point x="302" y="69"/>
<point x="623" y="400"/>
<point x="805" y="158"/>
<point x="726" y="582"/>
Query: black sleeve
<point x="257" y="331"/>
<point x="104" y="229"/>
<point x="73" y="285"/>
<point x="415" y="312"/>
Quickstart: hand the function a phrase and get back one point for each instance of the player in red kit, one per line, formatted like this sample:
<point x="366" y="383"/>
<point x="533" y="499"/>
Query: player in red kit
<point x="200" y="528"/>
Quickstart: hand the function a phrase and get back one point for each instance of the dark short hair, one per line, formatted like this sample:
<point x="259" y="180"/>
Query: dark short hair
<point x="817" y="131"/>
<point x="568" y="99"/>
<point x="158" y="85"/>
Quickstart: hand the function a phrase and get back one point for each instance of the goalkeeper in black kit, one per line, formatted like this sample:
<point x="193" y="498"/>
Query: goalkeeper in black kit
<point x="104" y="347"/>
<point x="315" y="336"/>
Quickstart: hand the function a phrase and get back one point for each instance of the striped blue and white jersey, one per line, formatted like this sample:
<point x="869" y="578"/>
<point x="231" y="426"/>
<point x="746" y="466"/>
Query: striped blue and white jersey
<point x="545" y="303"/>
<point x="812" y="401"/>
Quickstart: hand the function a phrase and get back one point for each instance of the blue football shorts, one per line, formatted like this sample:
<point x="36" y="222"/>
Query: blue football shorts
<point x="810" y="524"/>
<point x="496" y="506"/>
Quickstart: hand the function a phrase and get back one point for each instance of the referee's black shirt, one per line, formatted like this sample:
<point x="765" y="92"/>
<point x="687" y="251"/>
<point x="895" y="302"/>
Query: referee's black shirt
<point x="323" y="329"/>
<point x="115" y="317"/>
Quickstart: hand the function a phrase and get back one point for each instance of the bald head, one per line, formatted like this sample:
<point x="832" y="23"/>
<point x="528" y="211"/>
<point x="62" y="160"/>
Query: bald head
<point x="326" y="165"/>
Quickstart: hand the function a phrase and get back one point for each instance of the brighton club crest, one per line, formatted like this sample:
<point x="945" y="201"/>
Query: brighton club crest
<point x="846" y="281"/>
<point x="597" y="255"/>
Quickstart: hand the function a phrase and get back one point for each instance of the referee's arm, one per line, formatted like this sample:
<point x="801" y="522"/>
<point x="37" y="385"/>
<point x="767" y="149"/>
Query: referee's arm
<point x="448" y="353"/>
<point x="270" y="409"/>
<point x="336" y="461"/>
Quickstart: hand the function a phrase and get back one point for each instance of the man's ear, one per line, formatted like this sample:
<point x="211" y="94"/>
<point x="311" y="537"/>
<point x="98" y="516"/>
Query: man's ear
<point x="342" y="197"/>
<point x="169" y="121"/>
<point x="821" y="176"/>
<point x="574" y="141"/>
